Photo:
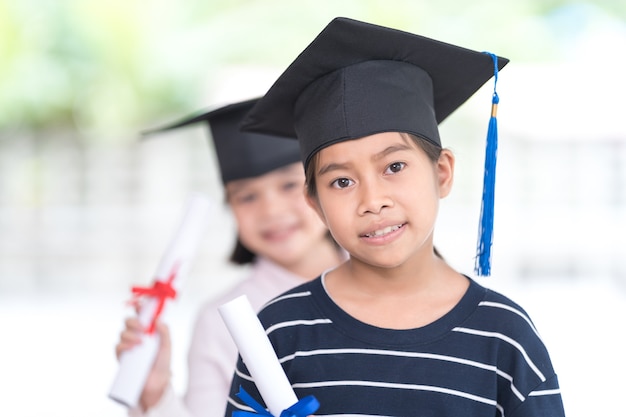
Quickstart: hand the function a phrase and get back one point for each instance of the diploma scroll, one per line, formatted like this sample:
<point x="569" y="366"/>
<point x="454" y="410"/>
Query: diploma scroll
<point x="135" y="364"/>
<point x="258" y="354"/>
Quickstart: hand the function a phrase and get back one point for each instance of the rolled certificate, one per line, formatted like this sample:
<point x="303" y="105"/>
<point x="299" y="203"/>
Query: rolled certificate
<point x="258" y="354"/>
<point x="135" y="364"/>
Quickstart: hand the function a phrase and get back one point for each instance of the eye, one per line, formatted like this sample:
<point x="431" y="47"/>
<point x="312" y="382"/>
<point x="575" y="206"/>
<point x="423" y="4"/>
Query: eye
<point x="395" y="167"/>
<point x="341" y="183"/>
<point x="290" y="185"/>
<point x="246" y="198"/>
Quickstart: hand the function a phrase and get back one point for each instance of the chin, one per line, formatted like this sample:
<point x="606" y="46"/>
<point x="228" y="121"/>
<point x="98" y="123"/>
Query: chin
<point x="285" y="257"/>
<point x="381" y="262"/>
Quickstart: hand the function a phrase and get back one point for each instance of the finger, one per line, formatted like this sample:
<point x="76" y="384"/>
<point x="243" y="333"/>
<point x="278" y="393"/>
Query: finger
<point x="130" y="337"/>
<point x="123" y="347"/>
<point x="133" y="323"/>
<point x="128" y="340"/>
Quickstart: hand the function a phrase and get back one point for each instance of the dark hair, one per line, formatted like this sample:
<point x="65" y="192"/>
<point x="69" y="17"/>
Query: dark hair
<point x="432" y="151"/>
<point x="241" y="255"/>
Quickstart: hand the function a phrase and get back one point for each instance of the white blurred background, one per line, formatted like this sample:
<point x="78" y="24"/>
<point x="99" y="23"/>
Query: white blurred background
<point x="87" y="209"/>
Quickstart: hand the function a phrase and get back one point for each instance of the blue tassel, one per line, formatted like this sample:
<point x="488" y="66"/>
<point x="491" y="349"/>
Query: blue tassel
<point x="303" y="408"/>
<point x="485" y="231"/>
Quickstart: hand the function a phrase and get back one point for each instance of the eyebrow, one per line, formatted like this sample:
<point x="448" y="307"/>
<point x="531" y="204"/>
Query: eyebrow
<point x="238" y="186"/>
<point x="234" y="191"/>
<point x="331" y="167"/>
<point x="291" y="170"/>
<point x="389" y="150"/>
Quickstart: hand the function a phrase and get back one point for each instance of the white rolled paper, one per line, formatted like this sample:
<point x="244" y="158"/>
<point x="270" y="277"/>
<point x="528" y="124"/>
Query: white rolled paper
<point x="135" y="364"/>
<point x="258" y="354"/>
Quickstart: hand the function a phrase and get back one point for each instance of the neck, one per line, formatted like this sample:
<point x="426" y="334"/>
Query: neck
<point x="410" y="277"/>
<point x="401" y="297"/>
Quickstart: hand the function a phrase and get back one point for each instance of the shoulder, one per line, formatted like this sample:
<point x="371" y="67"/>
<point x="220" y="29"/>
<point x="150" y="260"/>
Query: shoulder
<point x="499" y="321"/>
<point x="498" y="311"/>
<point x="501" y="332"/>
<point x="261" y="284"/>
<point x="297" y="303"/>
<point x="293" y="296"/>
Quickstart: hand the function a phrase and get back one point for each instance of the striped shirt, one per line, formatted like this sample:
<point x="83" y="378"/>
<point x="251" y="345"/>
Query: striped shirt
<point x="483" y="358"/>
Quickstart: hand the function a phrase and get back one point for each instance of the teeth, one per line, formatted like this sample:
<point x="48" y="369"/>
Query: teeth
<point x="384" y="231"/>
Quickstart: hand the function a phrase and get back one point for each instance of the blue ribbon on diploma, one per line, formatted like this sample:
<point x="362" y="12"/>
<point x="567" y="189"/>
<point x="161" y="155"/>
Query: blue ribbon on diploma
<point x="303" y="408"/>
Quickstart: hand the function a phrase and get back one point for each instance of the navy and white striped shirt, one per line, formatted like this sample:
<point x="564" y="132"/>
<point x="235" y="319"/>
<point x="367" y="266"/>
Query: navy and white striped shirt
<point x="483" y="358"/>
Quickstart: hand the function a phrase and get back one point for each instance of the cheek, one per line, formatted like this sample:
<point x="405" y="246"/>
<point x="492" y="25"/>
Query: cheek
<point x="315" y="222"/>
<point x="298" y="203"/>
<point x="334" y="212"/>
<point x="309" y="215"/>
<point x="245" y="219"/>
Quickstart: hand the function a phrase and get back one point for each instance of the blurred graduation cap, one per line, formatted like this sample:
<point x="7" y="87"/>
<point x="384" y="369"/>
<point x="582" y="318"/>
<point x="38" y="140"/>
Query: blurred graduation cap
<point x="240" y="154"/>
<point x="357" y="79"/>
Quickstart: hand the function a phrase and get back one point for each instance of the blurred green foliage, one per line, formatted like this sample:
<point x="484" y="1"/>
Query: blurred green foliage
<point x="111" y="66"/>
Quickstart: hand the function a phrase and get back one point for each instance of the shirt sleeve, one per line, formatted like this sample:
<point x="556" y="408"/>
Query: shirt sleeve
<point x="544" y="400"/>
<point x="211" y="361"/>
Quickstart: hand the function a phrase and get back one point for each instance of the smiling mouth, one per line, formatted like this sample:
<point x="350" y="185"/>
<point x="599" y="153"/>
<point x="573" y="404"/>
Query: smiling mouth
<point x="279" y="234"/>
<point x="384" y="231"/>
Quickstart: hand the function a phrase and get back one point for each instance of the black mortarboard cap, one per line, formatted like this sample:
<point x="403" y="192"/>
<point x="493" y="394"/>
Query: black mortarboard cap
<point x="356" y="79"/>
<point x="240" y="154"/>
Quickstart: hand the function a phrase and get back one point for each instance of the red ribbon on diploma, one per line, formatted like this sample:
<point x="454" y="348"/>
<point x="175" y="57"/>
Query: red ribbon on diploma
<point x="162" y="290"/>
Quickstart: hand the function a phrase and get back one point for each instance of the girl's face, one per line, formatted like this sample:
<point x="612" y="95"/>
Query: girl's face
<point x="272" y="215"/>
<point x="379" y="196"/>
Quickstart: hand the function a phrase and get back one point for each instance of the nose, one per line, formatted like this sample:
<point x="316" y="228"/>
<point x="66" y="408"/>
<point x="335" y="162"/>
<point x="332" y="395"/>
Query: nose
<point x="373" y="197"/>
<point x="272" y="204"/>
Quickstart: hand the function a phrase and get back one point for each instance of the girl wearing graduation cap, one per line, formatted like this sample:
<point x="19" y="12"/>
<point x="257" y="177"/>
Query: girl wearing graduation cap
<point x="278" y="234"/>
<point x="393" y="331"/>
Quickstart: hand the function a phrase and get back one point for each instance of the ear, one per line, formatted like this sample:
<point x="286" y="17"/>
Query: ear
<point x="445" y="172"/>
<point x="314" y="203"/>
